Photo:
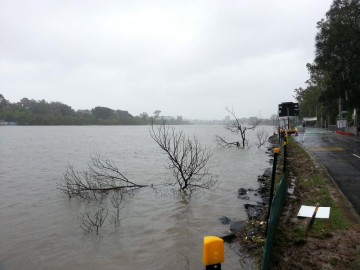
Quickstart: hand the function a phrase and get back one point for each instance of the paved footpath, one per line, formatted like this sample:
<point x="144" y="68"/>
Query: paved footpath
<point x="341" y="157"/>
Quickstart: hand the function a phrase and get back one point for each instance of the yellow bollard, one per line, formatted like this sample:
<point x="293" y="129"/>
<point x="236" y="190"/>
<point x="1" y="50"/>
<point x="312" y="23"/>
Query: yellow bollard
<point x="213" y="252"/>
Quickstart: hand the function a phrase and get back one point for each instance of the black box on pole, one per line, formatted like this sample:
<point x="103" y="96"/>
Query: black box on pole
<point x="288" y="109"/>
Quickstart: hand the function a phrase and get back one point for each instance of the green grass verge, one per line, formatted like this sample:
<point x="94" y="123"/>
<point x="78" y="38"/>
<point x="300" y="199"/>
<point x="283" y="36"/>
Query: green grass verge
<point x="316" y="185"/>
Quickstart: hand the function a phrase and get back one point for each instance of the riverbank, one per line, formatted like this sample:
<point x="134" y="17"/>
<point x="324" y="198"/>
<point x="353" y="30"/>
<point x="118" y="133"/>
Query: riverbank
<point x="252" y="236"/>
<point x="332" y="243"/>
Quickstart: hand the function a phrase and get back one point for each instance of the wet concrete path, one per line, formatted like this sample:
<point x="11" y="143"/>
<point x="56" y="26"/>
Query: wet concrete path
<point x="340" y="155"/>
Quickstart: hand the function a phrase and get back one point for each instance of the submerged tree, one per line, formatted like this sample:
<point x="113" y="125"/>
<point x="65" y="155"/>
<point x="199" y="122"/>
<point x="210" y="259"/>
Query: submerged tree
<point x="116" y="200"/>
<point x="237" y="127"/>
<point x="91" y="223"/>
<point x="262" y="135"/>
<point x="187" y="158"/>
<point x="101" y="177"/>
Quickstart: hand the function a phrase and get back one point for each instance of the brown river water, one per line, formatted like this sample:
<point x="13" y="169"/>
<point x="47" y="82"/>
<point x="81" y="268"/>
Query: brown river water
<point x="39" y="225"/>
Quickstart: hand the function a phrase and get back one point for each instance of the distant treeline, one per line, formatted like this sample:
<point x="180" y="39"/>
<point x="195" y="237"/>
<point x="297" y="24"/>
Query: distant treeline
<point x="40" y="112"/>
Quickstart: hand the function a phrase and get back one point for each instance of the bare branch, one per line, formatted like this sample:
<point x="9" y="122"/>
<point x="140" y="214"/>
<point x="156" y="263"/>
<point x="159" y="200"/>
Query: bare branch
<point x="254" y="122"/>
<point x="187" y="158"/>
<point x="101" y="177"/>
<point x="237" y="127"/>
<point x="90" y="223"/>
<point x="262" y="135"/>
<point x="116" y="200"/>
<point x="187" y="261"/>
<point x="223" y="143"/>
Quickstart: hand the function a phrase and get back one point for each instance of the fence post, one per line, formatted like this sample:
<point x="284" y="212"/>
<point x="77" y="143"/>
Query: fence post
<point x="285" y="154"/>
<point x="276" y="153"/>
<point x="312" y="220"/>
<point x="279" y="134"/>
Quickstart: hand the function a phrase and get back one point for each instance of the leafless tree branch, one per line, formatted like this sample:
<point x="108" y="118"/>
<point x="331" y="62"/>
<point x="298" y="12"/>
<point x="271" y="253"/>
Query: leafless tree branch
<point x="237" y="127"/>
<point x="222" y="143"/>
<point x="116" y="200"/>
<point x="187" y="158"/>
<point x="262" y="135"/>
<point x="90" y="223"/>
<point x="187" y="261"/>
<point x="101" y="177"/>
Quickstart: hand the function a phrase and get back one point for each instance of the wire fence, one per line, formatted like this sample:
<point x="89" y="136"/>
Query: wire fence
<point x="274" y="216"/>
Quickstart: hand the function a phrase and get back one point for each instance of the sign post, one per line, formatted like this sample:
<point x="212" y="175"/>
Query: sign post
<point x="276" y="153"/>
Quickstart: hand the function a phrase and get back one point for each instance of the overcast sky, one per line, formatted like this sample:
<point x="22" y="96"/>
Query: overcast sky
<point x="189" y="58"/>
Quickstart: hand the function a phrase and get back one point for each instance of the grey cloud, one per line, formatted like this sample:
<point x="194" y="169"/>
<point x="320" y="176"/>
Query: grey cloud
<point x="176" y="56"/>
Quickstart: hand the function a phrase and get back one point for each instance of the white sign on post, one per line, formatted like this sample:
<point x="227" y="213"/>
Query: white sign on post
<point x="341" y="123"/>
<point x="308" y="211"/>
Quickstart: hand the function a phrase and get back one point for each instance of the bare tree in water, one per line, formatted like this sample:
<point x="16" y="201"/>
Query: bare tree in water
<point x="262" y="135"/>
<point x="116" y="200"/>
<point x="187" y="158"/>
<point x="91" y="223"/>
<point x="239" y="128"/>
<point x="101" y="177"/>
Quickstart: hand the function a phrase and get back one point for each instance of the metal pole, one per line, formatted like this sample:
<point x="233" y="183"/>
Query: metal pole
<point x="279" y="134"/>
<point x="288" y="118"/>
<point x="312" y="220"/>
<point x="276" y="153"/>
<point x="285" y="152"/>
<point x="214" y="266"/>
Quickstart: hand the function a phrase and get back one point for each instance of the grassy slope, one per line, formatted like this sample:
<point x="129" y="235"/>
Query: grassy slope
<point x="332" y="243"/>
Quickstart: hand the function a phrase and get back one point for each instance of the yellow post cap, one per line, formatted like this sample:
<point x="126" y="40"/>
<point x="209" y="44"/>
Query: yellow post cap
<point x="276" y="150"/>
<point x="213" y="250"/>
<point x="285" y="143"/>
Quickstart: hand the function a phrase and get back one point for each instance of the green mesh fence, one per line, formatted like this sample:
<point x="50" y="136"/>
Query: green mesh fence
<point x="275" y="212"/>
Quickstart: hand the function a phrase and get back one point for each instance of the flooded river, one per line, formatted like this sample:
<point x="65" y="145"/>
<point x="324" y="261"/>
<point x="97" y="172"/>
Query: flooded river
<point x="39" y="225"/>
